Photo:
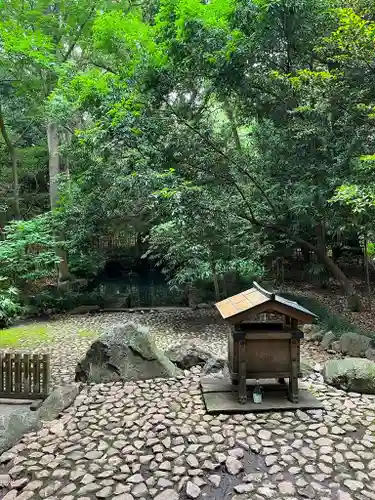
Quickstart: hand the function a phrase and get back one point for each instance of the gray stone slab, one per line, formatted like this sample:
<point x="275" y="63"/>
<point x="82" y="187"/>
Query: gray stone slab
<point x="213" y="384"/>
<point x="18" y="402"/>
<point x="15" y="421"/>
<point x="218" y="400"/>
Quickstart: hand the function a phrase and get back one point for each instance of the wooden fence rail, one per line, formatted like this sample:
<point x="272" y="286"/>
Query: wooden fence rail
<point x="24" y="376"/>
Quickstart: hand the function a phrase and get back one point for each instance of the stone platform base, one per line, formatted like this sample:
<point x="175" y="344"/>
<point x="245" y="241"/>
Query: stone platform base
<point x="219" y="397"/>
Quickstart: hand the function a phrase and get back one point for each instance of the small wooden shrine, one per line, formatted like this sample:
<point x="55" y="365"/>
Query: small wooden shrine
<point x="264" y="341"/>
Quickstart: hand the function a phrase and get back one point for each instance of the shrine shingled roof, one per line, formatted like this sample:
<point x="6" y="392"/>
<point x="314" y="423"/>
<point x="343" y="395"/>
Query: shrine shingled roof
<point x="254" y="298"/>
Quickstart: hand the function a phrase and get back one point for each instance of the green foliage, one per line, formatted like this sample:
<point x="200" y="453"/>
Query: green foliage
<point x="359" y="199"/>
<point x="10" y="306"/>
<point x="28" y="250"/>
<point x="54" y="301"/>
<point x="125" y="37"/>
<point x="371" y="249"/>
<point x="227" y="131"/>
<point x="25" y="43"/>
<point x="188" y="256"/>
<point x="215" y="14"/>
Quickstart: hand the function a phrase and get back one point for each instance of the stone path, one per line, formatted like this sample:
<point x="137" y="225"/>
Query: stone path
<point x="154" y="440"/>
<point x="71" y="336"/>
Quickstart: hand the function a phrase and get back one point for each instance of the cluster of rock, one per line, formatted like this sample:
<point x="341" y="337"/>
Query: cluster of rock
<point x="349" y="343"/>
<point x="128" y="352"/>
<point x="356" y="371"/>
<point x="151" y="436"/>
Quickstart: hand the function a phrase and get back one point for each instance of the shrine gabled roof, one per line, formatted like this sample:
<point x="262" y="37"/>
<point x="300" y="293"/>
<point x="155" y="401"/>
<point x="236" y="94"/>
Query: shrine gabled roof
<point x="261" y="299"/>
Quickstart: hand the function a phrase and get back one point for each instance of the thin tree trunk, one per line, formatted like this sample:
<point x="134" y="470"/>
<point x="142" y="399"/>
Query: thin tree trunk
<point x="224" y="286"/>
<point x="322" y="246"/>
<point x="354" y="301"/>
<point x="215" y="280"/>
<point x="54" y="170"/>
<point x="13" y="155"/>
<point x="321" y="237"/>
<point x="367" y="272"/>
<point x="233" y="125"/>
<point x="54" y="163"/>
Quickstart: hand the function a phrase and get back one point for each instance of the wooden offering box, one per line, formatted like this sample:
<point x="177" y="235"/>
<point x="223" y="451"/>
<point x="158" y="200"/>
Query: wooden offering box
<point x="264" y="341"/>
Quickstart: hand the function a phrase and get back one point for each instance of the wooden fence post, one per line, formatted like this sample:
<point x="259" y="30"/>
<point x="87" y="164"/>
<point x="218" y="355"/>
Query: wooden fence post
<point x="24" y="376"/>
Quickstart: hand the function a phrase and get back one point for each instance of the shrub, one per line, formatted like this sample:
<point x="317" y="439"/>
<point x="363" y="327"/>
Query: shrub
<point x="10" y="307"/>
<point x="28" y="251"/>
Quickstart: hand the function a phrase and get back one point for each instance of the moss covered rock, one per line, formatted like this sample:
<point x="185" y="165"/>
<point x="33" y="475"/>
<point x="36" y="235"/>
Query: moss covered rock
<point x="354" y="344"/>
<point x="351" y="374"/>
<point x="306" y="367"/>
<point x="327" y="340"/>
<point x="187" y="355"/>
<point x="124" y="352"/>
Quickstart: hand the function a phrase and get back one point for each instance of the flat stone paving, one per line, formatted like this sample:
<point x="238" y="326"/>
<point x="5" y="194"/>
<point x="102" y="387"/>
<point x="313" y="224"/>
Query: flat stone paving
<point x="153" y="439"/>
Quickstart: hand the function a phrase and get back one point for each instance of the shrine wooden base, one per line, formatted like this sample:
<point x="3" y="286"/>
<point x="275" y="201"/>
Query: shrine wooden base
<point x="220" y="397"/>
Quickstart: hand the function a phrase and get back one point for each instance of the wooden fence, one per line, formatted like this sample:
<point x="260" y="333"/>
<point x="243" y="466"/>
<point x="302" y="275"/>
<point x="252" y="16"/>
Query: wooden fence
<point x="24" y="376"/>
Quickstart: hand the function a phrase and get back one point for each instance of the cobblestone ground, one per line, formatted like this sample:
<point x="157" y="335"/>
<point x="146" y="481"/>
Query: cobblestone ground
<point x="153" y="439"/>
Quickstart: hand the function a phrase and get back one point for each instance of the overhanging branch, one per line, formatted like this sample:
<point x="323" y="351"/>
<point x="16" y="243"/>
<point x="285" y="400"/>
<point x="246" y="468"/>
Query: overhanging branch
<point x="217" y="150"/>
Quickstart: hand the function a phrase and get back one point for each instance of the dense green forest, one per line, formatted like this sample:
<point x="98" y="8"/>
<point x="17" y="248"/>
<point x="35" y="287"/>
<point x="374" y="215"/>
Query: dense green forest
<point x="222" y="133"/>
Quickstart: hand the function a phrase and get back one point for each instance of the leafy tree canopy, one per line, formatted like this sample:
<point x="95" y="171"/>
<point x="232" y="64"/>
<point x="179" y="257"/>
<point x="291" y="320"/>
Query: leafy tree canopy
<point x="223" y="129"/>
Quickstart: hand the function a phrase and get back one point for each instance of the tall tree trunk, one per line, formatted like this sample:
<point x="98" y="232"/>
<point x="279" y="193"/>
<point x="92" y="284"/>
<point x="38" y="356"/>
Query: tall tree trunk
<point x="322" y="246"/>
<point x="54" y="163"/>
<point x="54" y="170"/>
<point x="215" y="280"/>
<point x="13" y="155"/>
<point x="233" y="125"/>
<point x="321" y="237"/>
<point x="354" y="301"/>
<point x="367" y="272"/>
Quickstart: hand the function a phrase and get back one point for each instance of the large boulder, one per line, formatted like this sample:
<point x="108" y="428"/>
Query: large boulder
<point x="187" y="355"/>
<point x="306" y="368"/>
<point x="351" y="374"/>
<point x="354" y="344"/>
<point x="59" y="399"/>
<point x="327" y="340"/>
<point x="124" y="352"/>
<point x="308" y="328"/>
<point x="316" y="336"/>
<point x="336" y="346"/>
<point x="15" y="421"/>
